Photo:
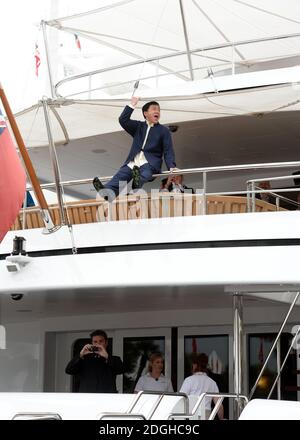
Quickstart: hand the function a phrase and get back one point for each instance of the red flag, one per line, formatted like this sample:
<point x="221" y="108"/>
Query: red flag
<point x="12" y="180"/>
<point x="77" y="41"/>
<point x="37" y="59"/>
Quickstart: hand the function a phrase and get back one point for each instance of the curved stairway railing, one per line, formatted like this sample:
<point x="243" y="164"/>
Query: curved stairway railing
<point x="200" y="406"/>
<point x="157" y="403"/>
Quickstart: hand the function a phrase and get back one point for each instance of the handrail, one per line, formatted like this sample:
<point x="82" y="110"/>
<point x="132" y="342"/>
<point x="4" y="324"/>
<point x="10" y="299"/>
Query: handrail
<point x="37" y="416"/>
<point x="171" y="55"/>
<point x="160" y="398"/>
<point x="204" y="171"/>
<point x="277" y="196"/>
<point x="202" y="398"/>
<point x="117" y="415"/>
<point x="187" y="171"/>
<point x="292" y="176"/>
<point x="274" y="344"/>
<point x="284" y="362"/>
<point x="251" y="192"/>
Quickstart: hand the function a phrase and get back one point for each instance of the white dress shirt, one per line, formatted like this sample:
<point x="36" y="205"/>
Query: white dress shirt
<point x="140" y="158"/>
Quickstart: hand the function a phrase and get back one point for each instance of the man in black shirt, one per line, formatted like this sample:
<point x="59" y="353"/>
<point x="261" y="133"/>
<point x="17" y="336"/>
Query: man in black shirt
<point x="96" y="369"/>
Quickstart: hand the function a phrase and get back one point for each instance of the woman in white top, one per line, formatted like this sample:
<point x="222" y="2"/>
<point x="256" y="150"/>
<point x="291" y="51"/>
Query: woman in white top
<point x="154" y="380"/>
<point x="200" y="383"/>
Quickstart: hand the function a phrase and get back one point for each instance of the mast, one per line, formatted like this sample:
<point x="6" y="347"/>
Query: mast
<point x="50" y="227"/>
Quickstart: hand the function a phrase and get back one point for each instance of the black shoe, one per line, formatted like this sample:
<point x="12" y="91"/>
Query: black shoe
<point x="135" y="177"/>
<point x="98" y="185"/>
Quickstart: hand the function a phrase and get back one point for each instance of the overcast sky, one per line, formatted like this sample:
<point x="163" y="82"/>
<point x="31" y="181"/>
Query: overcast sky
<point x="19" y="31"/>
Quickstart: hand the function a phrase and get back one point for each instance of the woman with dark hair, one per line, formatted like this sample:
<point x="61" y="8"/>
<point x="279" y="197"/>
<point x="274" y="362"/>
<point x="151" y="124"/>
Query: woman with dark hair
<point x="154" y="380"/>
<point x="200" y="383"/>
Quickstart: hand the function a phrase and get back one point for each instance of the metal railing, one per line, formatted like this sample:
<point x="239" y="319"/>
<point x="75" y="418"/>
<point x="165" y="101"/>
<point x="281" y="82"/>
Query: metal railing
<point x="253" y="189"/>
<point x="159" y="400"/>
<point x="201" y="404"/>
<point x="36" y="416"/>
<point x="205" y="171"/>
<point x="160" y="396"/>
<point x="273" y="348"/>
<point x="120" y="415"/>
<point x="284" y="362"/>
<point x="156" y="59"/>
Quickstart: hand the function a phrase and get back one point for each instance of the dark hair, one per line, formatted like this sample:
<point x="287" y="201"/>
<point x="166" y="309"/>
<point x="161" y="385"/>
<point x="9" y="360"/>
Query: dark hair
<point x="146" y="106"/>
<point x="296" y="181"/>
<point x="153" y="357"/>
<point x="99" y="333"/>
<point x="164" y="181"/>
<point x="201" y="360"/>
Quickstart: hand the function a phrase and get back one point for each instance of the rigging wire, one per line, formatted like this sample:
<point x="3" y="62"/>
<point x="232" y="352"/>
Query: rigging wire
<point x="28" y="137"/>
<point x="219" y="30"/>
<point x="284" y="44"/>
<point x="137" y="82"/>
<point x="57" y="173"/>
<point x="291" y="20"/>
<point x="69" y="224"/>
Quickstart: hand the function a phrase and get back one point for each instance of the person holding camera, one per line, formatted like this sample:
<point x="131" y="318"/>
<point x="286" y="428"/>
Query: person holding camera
<point x="95" y="367"/>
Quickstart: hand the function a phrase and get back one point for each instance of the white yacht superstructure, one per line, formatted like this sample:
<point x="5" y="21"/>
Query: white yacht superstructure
<point x="213" y="272"/>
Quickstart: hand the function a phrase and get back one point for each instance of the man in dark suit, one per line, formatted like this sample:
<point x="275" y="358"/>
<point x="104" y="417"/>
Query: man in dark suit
<point x="95" y="368"/>
<point x="151" y="142"/>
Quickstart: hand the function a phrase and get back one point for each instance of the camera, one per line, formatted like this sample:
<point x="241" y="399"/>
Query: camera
<point x="16" y="296"/>
<point x="94" y="348"/>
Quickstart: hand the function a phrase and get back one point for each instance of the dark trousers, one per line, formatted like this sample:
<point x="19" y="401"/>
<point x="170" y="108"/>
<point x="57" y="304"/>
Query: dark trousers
<point x="125" y="175"/>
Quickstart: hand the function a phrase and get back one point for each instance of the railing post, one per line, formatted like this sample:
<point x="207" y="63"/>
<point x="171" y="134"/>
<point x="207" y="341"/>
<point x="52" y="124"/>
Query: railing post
<point x="237" y="352"/>
<point x="253" y="196"/>
<point x="53" y="156"/>
<point x="47" y="52"/>
<point x="278" y="349"/>
<point x="204" y="191"/>
<point x="248" y="197"/>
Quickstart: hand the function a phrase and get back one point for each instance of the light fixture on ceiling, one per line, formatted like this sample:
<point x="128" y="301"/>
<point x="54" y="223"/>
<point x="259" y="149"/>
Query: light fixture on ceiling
<point x="99" y="150"/>
<point x="173" y="128"/>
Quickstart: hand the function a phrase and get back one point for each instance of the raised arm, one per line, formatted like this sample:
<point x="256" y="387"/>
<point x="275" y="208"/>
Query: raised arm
<point x="128" y="124"/>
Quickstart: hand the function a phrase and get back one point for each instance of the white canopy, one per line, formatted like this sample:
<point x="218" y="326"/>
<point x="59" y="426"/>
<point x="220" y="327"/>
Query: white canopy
<point x="177" y="40"/>
<point x="200" y="58"/>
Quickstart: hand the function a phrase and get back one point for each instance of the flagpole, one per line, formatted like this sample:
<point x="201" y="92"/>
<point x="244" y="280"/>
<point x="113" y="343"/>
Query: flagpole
<point x="50" y="227"/>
